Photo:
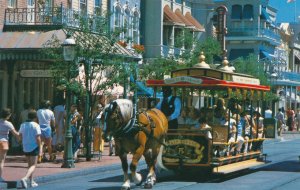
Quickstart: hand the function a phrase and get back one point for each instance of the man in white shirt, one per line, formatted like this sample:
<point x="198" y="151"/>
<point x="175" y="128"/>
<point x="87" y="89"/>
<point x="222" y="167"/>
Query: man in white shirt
<point x="268" y="112"/>
<point x="47" y="121"/>
<point x="60" y="115"/>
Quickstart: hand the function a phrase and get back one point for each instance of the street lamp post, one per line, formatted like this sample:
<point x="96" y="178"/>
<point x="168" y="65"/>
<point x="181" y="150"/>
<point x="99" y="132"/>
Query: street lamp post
<point x="69" y="55"/>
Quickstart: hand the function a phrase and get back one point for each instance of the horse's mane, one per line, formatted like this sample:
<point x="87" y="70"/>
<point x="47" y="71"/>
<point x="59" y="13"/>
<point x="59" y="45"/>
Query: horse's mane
<point x="126" y="108"/>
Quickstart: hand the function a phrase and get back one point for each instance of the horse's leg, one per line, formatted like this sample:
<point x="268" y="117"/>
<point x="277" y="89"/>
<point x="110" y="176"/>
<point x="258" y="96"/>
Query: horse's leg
<point x="137" y="178"/>
<point x="126" y="184"/>
<point x="151" y="157"/>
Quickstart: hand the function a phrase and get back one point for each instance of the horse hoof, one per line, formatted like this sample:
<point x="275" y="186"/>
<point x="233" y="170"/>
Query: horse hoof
<point x="138" y="179"/>
<point x="148" y="186"/>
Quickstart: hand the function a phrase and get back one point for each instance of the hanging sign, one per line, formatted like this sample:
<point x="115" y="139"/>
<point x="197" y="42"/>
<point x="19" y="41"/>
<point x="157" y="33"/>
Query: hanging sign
<point x="36" y="73"/>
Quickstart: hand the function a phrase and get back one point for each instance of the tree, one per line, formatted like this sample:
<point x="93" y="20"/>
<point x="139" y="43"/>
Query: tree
<point x="251" y="66"/>
<point x="161" y="66"/>
<point x="97" y="68"/>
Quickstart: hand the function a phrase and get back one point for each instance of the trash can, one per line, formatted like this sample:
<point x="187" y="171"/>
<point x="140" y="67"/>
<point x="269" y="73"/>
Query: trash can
<point x="270" y="127"/>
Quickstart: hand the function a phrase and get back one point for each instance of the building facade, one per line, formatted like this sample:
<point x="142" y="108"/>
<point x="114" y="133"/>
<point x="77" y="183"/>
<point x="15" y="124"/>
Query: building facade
<point x="163" y="23"/>
<point x="252" y="29"/>
<point x="26" y="25"/>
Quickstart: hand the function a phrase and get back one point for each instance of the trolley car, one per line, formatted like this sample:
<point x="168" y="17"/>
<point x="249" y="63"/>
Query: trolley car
<point x="200" y="87"/>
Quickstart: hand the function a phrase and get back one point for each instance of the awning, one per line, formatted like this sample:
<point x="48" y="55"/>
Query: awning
<point x="191" y="19"/>
<point x="187" y="23"/>
<point x="237" y="53"/>
<point x="26" y="45"/>
<point x="267" y="55"/>
<point x="171" y="18"/>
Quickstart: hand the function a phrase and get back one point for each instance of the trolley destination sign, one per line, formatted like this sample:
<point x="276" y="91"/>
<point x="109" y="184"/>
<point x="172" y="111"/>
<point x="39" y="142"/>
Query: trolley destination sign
<point x="183" y="79"/>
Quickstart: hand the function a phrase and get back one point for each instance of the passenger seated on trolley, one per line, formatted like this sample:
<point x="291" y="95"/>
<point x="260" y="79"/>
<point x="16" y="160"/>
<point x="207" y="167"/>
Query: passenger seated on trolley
<point x="202" y="125"/>
<point x="211" y="120"/>
<point x="183" y="118"/>
<point x="248" y="132"/>
<point x="259" y="123"/>
<point x="219" y="110"/>
<point x="193" y="116"/>
<point x="232" y="130"/>
<point x="239" y="139"/>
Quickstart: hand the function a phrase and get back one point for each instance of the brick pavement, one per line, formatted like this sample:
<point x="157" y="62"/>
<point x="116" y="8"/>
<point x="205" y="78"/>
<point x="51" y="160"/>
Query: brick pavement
<point x="16" y="167"/>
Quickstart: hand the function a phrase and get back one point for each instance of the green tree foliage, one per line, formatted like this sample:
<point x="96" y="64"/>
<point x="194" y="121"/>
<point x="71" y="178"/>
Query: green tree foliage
<point x="159" y="67"/>
<point x="251" y="66"/>
<point x="99" y="61"/>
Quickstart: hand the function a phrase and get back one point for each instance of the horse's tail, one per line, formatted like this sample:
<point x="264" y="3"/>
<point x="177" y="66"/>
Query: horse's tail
<point x="159" y="163"/>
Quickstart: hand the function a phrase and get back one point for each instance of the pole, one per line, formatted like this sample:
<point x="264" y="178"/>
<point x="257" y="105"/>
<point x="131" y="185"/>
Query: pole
<point x="87" y="125"/>
<point x="68" y="155"/>
<point x="295" y="11"/>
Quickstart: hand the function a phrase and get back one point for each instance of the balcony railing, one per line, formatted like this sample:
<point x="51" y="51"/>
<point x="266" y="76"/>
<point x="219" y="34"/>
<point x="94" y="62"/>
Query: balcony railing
<point x="254" y="32"/>
<point x="169" y="51"/>
<point x="50" y="18"/>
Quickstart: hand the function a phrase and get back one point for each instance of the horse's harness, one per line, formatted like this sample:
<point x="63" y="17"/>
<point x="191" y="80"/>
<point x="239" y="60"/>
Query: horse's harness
<point x="133" y="126"/>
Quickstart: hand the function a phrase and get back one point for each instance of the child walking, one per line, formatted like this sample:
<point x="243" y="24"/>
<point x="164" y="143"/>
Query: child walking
<point x="30" y="133"/>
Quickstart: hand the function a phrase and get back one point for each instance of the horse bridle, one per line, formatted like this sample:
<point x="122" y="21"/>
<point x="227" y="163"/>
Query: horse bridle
<point x="124" y="129"/>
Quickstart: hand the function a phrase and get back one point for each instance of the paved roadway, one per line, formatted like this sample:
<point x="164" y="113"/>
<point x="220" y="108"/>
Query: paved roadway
<point x="281" y="173"/>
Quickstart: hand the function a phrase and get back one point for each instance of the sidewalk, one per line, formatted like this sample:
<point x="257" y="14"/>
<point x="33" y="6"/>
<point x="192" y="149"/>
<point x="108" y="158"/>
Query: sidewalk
<point x="16" y="167"/>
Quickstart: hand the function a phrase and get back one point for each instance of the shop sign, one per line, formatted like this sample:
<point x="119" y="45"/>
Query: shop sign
<point x="36" y="73"/>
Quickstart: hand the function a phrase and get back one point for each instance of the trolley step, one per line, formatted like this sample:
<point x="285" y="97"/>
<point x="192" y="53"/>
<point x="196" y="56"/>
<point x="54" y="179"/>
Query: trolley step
<point x="225" y="169"/>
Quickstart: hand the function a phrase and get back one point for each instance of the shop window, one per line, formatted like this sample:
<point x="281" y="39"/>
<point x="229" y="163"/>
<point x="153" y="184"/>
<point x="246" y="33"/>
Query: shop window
<point x="236" y="12"/>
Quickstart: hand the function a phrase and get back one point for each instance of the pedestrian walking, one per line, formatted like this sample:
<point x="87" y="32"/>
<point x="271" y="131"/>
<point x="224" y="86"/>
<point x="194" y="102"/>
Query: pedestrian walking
<point x="290" y="118"/>
<point x="75" y="118"/>
<point x="30" y="134"/>
<point x="5" y="127"/>
<point x="297" y="117"/>
<point x="47" y="123"/>
<point x="24" y="113"/>
<point x="98" y="142"/>
<point x="280" y="121"/>
<point x="58" y="136"/>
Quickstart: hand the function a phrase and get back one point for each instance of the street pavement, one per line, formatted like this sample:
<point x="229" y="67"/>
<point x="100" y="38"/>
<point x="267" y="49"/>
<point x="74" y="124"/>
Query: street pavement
<point x="16" y="166"/>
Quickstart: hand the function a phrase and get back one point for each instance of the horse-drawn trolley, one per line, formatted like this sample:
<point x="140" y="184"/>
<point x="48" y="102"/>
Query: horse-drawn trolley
<point x="220" y="128"/>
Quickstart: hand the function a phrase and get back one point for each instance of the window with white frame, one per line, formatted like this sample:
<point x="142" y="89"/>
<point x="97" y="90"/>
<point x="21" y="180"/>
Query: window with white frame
<point x="83" y="7"/>
<point x="118" y="17"/>
<point x="30" y="3"/>
<point x="127" y="24"/>
<point x="97" y="7"/>
<point x="135" y="27"/>
<point x="12" y="3"/>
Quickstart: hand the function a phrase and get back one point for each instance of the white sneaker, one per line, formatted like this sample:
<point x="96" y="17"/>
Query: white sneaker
<point x="34" y="184"/>
<point x="24" y="183"/>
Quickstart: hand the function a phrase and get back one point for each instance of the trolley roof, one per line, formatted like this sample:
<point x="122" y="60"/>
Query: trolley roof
<point x="207" y="78"/>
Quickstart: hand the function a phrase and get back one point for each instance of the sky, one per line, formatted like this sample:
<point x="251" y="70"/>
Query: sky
<point x="286" y="11"/>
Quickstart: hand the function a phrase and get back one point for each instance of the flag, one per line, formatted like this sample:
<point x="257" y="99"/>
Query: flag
<point x="290" y="1"/>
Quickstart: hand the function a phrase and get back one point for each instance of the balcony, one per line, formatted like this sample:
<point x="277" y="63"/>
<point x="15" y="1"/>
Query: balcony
<point x="169" y="51"/>
<point x="262" y="33"/>
<point x="50" y="18"/>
